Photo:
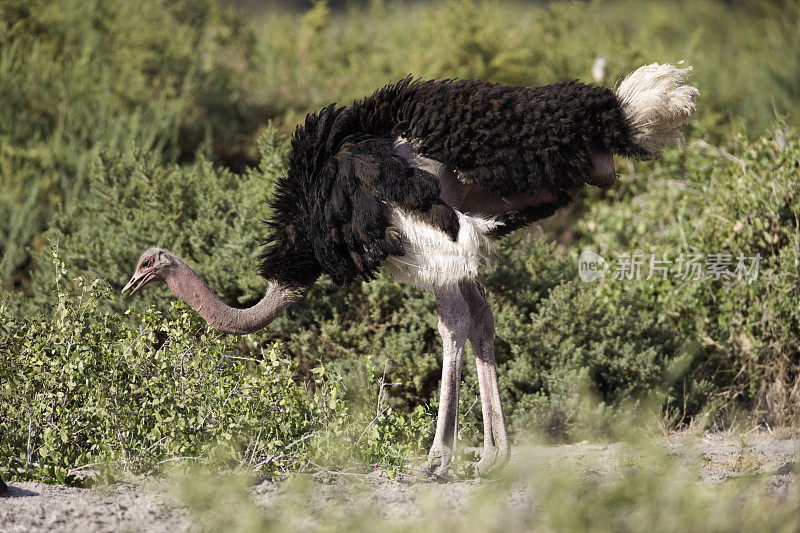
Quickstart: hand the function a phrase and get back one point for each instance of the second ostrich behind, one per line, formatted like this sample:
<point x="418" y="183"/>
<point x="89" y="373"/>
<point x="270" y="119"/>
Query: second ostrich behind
<point x="422" y="178"/>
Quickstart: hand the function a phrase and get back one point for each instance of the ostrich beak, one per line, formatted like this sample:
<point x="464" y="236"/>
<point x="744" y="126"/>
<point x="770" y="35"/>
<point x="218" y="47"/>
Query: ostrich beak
<point x="139" y="280"/>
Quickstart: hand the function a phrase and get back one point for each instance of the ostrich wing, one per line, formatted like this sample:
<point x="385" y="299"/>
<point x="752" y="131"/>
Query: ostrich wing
<point x="365" y="180"/>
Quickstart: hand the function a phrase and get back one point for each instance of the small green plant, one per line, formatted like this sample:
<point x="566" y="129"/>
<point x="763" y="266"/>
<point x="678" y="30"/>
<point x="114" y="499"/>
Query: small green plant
<point x="374" y="434"/>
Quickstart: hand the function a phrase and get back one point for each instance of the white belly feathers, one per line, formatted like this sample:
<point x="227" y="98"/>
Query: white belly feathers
<point x="432" y="259"/>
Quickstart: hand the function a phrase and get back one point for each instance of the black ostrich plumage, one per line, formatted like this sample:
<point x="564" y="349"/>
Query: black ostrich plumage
<point x="329" y="209"/>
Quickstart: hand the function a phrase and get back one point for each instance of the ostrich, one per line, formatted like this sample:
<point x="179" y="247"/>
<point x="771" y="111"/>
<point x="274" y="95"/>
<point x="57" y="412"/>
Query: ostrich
<point x="423" y="178"/>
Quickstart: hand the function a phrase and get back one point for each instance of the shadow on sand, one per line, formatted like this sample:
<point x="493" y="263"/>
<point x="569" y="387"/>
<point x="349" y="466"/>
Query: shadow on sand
<point x="14" y="492"/>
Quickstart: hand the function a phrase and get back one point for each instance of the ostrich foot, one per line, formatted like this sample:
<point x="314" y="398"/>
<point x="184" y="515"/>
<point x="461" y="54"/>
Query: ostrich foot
<point x="493" y="459"/>
<point x="439" y="459"/>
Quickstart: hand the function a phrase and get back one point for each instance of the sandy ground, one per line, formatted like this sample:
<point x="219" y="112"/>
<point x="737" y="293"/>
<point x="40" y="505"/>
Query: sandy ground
<point x="144" y="504"/>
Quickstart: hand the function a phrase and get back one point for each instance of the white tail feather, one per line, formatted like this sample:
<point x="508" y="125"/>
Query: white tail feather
<point x="657" y="103"/>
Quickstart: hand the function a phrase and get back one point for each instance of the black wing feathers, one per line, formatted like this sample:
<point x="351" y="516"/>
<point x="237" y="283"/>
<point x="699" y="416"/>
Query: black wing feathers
<point x="392" y="179"/>
<point x="333" y="202"/>
<point x="351" y="237"/>
<point x="352" y="234"/>
<point x="516" y="140"/>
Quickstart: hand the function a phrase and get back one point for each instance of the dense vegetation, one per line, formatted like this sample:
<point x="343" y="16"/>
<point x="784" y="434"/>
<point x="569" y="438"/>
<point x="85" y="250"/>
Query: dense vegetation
<point x="167" y="123"/>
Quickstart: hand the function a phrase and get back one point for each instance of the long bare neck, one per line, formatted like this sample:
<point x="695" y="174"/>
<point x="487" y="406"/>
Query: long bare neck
<point x="188" y="286"/>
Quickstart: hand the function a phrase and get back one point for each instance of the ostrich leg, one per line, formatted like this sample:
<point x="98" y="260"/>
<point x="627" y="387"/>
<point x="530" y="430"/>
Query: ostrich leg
<point x="496" y="449"/>
<point x="454" y="325"/>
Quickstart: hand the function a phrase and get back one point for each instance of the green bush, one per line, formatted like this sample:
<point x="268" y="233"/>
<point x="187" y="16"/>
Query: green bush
<point x="311" y="59"/>
<point x="618" y="348"/>
<point x="81" y="387"/>
<point x="206" y="214"/>
<point x="78" y="77"/>
<point x="84" y="393"/>
<point x="741" y="200"/>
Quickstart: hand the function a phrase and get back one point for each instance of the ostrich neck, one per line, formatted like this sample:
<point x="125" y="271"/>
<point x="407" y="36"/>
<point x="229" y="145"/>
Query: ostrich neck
<point x="188" y="286"/>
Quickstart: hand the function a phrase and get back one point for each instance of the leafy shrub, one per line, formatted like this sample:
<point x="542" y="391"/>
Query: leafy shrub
<point x="619" y="349"/>
<point x="740" y="200"/>
<point x="82" y="388"/>
<point x="78" y="77"/>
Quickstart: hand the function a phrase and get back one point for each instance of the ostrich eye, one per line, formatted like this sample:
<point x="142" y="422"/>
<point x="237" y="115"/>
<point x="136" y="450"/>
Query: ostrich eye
<point x="146" y="263"/>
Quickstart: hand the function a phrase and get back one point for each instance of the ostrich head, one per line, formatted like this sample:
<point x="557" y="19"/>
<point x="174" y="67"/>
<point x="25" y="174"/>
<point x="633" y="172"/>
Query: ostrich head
<point x="154" y="264"/>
